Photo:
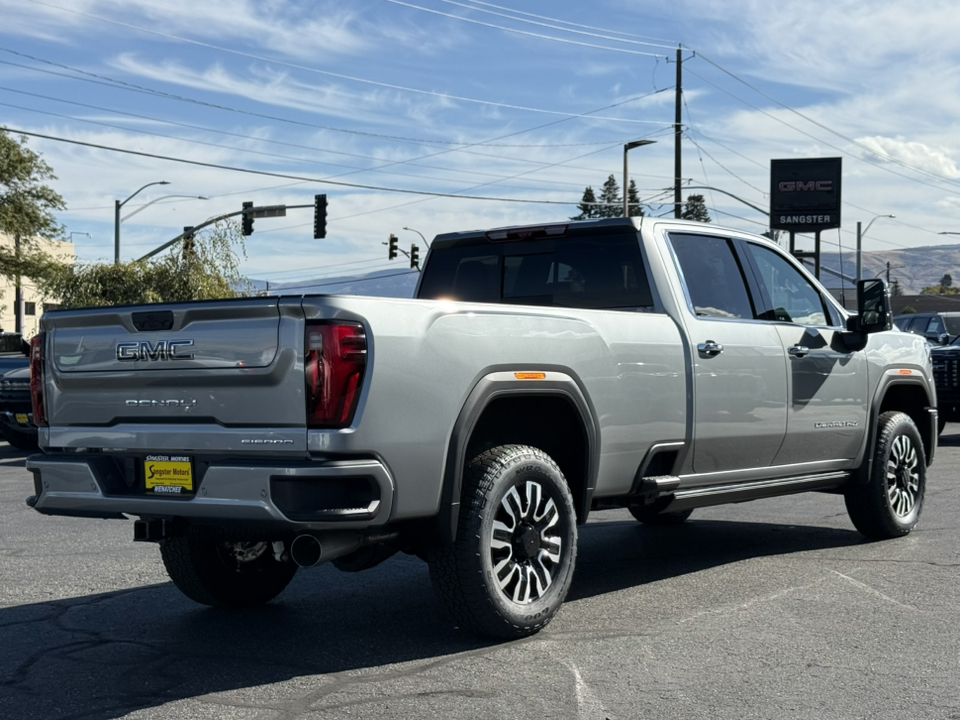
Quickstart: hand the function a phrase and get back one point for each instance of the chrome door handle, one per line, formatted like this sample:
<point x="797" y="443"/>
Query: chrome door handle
<point x="798" y="350"/>
<point x="710" y="348"/>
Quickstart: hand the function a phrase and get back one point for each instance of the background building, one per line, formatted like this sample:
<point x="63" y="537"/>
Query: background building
<point x="33" y="303"/>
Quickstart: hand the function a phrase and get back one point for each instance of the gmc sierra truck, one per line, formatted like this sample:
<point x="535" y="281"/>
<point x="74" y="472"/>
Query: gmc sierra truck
<point x="540" y="373"/>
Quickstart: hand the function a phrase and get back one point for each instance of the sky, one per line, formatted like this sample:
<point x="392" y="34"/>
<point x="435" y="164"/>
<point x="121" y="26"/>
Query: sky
<point x="430" y="116"/>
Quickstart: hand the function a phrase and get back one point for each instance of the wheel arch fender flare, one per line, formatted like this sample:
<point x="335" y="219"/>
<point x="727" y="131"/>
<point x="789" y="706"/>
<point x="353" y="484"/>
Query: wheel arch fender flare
<point x="924" y="420"/>
<point x="508" y="381"/>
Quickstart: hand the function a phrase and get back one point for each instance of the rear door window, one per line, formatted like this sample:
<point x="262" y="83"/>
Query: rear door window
<point x="712" y="275"/>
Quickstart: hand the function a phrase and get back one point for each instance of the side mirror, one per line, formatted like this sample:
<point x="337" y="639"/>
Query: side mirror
<point x="873" y="307"/>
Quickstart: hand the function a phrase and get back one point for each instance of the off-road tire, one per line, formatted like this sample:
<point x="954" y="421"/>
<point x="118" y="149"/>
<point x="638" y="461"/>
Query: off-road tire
<point x="213" y="569"/>
<point x="510" y="567"/>
<point x="888" y="504"/>
<point x="649" y="515"/>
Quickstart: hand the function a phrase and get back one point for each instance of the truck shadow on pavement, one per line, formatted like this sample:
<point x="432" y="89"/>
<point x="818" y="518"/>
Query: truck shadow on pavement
<point x="12" y="457"/>
<point x="106" y="655"/>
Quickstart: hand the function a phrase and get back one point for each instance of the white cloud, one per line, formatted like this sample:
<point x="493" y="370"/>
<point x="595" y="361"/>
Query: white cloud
<point x="915" y="154"/>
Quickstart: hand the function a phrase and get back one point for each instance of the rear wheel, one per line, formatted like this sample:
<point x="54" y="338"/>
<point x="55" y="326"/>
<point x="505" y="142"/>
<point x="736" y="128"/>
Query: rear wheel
<point x="888" y="505"/>
<point x="213" y="570"/>
<point x="510" y="567"/>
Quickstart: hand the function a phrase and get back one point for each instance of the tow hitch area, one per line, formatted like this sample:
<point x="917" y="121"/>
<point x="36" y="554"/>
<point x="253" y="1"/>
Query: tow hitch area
<point x="154" y="530"/>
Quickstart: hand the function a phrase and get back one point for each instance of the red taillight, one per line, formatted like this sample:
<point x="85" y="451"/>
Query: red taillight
<point x="36" y="380"/>
<point x="336" y="358"/>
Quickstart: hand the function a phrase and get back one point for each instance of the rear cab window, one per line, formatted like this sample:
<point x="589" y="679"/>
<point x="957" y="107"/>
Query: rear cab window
<point x="592" y="268"/>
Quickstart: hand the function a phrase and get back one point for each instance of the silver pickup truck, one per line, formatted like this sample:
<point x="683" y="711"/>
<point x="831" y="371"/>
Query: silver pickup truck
<point x="541" y="373"/>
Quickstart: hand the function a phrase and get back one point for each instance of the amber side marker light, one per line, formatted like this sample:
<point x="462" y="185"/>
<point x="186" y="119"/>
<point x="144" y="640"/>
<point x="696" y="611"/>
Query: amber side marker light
<point x="530" y="376"/>
<point x="906" y="372"/>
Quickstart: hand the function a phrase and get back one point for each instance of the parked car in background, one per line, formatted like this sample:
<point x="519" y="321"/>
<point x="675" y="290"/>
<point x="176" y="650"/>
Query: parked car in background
<point x="946" y="375"/>
<point x="939" y="328"/>
<point x="16" y="413"/>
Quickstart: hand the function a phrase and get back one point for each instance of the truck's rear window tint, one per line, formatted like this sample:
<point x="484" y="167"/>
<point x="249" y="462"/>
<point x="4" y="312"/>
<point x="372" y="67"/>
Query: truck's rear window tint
<point x="604" y="272"/>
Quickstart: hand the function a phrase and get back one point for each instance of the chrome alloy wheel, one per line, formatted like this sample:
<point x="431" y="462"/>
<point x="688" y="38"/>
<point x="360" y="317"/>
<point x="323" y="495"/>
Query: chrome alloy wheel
<point x="903" y="476"/>
<point x="525" y="543"/>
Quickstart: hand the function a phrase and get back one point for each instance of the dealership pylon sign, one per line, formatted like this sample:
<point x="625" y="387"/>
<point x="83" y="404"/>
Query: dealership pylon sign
<point x="805" y="194"/>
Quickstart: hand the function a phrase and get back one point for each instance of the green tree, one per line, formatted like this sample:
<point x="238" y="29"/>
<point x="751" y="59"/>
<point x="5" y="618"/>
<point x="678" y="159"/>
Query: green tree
<point x="208" y="270"/>
<point x="26" y="206"/>
<point x="633" y="200"/>
<point x="588" y="208"/>
<point x="611" y="202"/>
<point x="695" y="208"/>
<point x="26" y="203"/>
<point x="946" y="281"/>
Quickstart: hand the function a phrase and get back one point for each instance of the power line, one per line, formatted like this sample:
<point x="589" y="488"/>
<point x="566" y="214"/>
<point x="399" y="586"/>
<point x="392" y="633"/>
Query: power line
<point x="830" y="130"/>
<point x="668" y="43"/>
<point x="353" y="169"/>
<point x="287" y="176"/>
<point x="552" y="27"/>
<point x="731" y="150"/>
<point x="834" y="147"/>
<point x="524" y="32"/>
<point x="326" y="73"/>
<point x="461" y="148"/>
<point x="132" y="87"/>
<point x="700" y="148"/>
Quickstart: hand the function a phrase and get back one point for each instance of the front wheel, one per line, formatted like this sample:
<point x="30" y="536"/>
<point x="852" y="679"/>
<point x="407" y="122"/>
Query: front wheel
<point x="888" y="505"/>
<point x="214" y="570"/>
<point x="510" y="567"/>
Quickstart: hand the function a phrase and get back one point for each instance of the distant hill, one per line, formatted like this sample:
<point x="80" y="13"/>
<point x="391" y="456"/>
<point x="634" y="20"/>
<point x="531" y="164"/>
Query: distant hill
<point x="385" y="283"/>
<point x="913" y="268"/>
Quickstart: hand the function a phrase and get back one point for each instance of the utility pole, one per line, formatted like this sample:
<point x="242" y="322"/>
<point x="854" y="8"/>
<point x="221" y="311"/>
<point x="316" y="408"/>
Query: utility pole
<point x="18" y="291"/>
<point x="676" y="139"/>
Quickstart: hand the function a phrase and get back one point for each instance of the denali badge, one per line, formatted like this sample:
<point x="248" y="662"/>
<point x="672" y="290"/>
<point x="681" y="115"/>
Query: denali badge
<point x="163" y="350"/>
<point x="265" y="441"/>
<point x="837" y="424"/>
<point x="161" y="403"/>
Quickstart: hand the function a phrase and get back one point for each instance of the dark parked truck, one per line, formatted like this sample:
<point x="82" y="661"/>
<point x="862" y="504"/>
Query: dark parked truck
<point x="541" y="373"/>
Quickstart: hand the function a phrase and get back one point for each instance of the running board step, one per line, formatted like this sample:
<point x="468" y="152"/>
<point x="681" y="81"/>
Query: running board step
<point x="657" y="485"/>
<point x="745" y="491"/>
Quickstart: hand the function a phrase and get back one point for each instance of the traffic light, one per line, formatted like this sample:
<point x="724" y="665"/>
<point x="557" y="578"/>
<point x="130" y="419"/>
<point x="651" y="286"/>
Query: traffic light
<point x="414" y="257"/>
<point x="319" y="216"/>
<point x="188" y="238"/>
<point x="247" y="218"/>
<point x="393" y="248"/>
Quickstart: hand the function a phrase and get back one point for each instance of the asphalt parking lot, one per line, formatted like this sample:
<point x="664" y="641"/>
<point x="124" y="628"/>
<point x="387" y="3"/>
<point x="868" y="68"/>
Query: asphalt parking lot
<point x="771" y="609"/>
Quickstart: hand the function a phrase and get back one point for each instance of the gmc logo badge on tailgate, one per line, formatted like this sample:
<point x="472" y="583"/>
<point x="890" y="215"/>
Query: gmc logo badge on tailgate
<point x="163" y="350"/>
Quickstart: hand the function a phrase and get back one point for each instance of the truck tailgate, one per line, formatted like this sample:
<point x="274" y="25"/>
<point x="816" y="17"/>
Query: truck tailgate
<point x="220" y="363"/>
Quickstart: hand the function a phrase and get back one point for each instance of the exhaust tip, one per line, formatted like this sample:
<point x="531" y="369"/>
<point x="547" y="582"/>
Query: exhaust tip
<point x="305" y="550"/>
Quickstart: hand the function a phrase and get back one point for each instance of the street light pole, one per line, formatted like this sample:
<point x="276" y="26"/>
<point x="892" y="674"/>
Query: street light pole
<point x="626" y="172"/>
<point x="420" y="234"/>
<point x="162" y="197"/>
<point x="116" y="219"/>
<point x="860" y="242"/>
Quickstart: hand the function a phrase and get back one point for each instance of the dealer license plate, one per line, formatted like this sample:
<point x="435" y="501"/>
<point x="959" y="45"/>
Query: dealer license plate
<point x="168" y="474"/>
